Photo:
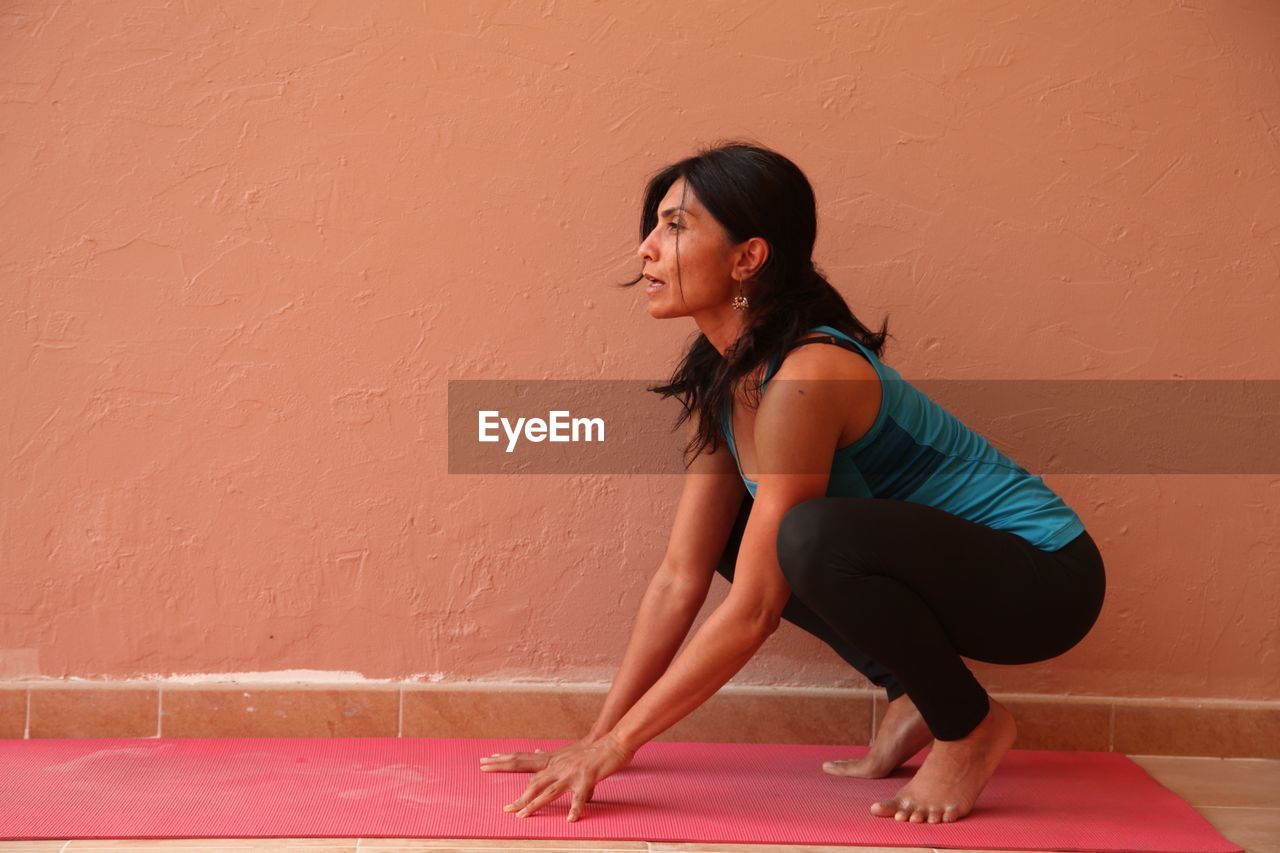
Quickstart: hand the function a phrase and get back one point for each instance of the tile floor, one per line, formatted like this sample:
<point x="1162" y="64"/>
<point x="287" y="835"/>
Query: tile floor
<point x="1240" y="796"/>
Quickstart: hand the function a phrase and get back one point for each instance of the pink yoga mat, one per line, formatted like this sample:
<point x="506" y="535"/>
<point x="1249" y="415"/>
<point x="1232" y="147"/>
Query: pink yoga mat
<point x="434" y="788"/>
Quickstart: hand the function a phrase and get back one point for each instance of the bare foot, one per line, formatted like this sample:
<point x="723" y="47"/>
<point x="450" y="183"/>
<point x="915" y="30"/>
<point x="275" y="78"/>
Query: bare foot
<point x="948" y="783"/>
<point x="902" y="733"/>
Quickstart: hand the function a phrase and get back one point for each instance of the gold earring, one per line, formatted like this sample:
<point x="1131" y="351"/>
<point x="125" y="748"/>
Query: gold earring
<point x="740" y="301"/>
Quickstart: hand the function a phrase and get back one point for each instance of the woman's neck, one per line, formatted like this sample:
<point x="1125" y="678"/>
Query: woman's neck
<point x="723" y="327"/>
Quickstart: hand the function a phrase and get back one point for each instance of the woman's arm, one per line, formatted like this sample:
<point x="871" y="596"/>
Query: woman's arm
<point x="796" y="432"/>
<point x="666" y="613"/>
<point x="708" y="506"/>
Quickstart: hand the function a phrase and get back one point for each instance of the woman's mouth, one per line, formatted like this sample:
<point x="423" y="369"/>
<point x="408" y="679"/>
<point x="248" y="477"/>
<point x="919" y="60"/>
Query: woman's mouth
<point x="654" y="285"/>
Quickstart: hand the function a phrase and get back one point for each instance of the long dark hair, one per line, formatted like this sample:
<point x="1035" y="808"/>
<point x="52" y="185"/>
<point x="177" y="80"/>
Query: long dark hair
<point x="752" y="192"/>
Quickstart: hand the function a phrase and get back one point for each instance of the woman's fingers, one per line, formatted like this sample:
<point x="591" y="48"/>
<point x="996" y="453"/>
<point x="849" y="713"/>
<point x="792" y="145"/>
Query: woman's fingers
<point x="580" y="800"/>
<point x="518" y="804"/>
<point x="529" y="802"/>
<point x="514" y="762"/>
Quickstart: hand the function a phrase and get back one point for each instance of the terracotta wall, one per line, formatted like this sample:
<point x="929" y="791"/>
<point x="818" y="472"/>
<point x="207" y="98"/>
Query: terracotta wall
<point x="246" y="245"/>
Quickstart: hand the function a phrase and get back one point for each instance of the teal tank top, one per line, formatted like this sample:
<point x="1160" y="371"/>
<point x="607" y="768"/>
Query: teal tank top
<point x="918" y="451"/>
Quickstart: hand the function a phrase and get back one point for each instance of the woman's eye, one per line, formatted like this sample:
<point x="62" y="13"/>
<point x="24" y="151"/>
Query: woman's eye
<point x="674" y="226"/>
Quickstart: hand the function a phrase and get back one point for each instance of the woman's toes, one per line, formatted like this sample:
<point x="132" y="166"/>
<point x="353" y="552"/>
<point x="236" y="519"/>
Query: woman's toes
<point x="919" y="816"/>
<point x="935" y="816"/>
<point x="885" y="808"/>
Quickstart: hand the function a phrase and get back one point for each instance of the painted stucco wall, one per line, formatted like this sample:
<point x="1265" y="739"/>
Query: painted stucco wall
<point x="246" y="245"/>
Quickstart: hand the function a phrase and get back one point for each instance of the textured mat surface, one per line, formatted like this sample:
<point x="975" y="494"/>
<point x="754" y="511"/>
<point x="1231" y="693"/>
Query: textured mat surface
<point x="434" y="788"/>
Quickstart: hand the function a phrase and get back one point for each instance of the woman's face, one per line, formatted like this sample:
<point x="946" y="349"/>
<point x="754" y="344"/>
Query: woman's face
<point x="704" y="280"/>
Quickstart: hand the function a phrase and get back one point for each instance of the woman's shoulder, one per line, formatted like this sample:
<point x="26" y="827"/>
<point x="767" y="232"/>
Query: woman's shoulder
<point x="825" y="359"/>
<point x="842" y="383"/>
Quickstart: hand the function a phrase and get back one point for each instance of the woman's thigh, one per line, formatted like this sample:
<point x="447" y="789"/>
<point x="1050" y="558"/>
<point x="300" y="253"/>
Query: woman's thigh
<point x="998" y="597"/>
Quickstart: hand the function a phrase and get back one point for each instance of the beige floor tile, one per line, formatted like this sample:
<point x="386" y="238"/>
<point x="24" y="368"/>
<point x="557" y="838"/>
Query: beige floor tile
<point x="94" y="712"/>
<point x="1247" y="782"/>
<point x="1256" y="830"/>
<point x="1228" y="731"/>
<point x="497" y="844"/>
<point x="205" y="845"/>
<point x="13" y="712"/>
<point x="663" y="847"/>
<point x="296" y="711"/>
<point x="441" y="845"/>
<point x="462" y="713"/>
<point x="1061" y="725"/>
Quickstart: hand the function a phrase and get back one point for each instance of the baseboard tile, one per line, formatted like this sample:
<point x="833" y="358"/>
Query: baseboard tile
<point x="737" y="713"/>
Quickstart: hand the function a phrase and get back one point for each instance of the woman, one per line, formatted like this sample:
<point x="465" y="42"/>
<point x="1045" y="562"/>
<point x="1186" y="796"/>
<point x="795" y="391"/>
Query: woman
<point x="873" y="518"/>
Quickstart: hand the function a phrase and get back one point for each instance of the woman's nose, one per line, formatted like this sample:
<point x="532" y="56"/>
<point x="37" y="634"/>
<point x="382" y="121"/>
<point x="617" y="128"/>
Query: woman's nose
<point x="646" y="247"/>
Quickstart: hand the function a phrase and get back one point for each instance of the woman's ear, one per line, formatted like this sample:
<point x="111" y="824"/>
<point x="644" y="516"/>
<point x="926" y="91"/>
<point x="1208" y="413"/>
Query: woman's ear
<point x="752" y="256"/>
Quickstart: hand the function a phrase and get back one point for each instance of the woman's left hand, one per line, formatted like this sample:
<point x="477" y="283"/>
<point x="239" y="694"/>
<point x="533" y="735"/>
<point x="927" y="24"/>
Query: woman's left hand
<point x="577" y="772"/>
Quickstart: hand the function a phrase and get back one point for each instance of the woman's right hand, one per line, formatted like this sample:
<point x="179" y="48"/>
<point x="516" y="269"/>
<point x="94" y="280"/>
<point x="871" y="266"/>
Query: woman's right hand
<point x="529" y="762"/>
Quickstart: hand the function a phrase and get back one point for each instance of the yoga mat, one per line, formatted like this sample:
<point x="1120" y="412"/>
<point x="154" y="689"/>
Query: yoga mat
<point x="690" y="792"/>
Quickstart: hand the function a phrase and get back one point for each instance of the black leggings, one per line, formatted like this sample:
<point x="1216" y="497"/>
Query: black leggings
<point x="901" y="590"/>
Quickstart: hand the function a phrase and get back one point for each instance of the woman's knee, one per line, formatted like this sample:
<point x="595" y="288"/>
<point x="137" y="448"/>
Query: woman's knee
<point x="803" y="536"/>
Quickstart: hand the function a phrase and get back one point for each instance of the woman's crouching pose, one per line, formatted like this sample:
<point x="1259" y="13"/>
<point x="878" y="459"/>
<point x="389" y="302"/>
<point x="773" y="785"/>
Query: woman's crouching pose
<point x="872" y="518"/>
